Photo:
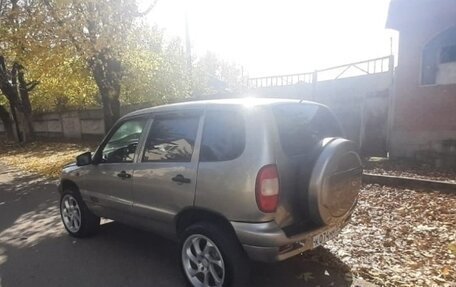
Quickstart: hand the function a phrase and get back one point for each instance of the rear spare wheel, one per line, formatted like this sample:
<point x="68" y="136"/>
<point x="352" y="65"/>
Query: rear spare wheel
<point x="334" y="181"/>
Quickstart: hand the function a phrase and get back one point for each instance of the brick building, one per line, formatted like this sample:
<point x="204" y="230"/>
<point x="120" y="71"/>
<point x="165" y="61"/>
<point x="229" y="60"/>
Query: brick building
<point x="424" y="97"/>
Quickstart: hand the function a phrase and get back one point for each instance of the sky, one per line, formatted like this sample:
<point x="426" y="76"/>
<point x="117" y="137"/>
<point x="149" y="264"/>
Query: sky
<point x="271" y="37"/>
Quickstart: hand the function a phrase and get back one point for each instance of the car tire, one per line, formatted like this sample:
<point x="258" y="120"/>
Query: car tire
<point x="236" y="265"/>
<point x="76" y="217"/>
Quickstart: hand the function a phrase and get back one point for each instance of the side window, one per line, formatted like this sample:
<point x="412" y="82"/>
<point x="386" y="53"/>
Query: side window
<point x="223" y="136"/>
<point x="171" y="138"/>
<point x="121" y="147"/>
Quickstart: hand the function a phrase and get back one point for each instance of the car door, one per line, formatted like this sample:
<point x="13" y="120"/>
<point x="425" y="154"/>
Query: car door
<point x="165" y="178"/>
<point x="107" y="184"/>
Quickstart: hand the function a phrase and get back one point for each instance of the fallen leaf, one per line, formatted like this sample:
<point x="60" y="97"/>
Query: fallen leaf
<point x="452" y="247"/>
<point x="306" y="276"/>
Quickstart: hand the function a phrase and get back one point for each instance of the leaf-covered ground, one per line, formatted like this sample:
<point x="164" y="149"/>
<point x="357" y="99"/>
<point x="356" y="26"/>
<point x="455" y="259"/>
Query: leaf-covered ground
<point x="399" y="237"/>
<point x="407" y="169"/>
<point x="44" y="158"/>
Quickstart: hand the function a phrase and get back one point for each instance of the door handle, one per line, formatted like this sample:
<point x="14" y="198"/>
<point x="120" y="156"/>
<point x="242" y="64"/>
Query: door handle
<point x="181" y="179"/>
<point x="124" y="175"/>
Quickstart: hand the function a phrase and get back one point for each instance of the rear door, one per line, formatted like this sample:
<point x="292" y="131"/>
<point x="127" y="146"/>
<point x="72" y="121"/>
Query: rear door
<point x="299" y="128"/>
<point x="165" y="178"/>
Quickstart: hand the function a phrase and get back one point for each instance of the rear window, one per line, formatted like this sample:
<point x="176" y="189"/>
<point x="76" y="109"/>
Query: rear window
<point x="302" y="126"/>
<point x="223" y="136"/>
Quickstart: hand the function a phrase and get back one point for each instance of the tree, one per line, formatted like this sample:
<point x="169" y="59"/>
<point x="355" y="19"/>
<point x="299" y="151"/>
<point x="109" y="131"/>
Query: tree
<point x="215" y="77"/>
<point x="98" y="52"/>
<point x="65" y="82"/>
<point x="96" y="29"/>
<point x="154" y="69"/>
<point x="16" y="90"/>
<point x="7" y="122"/>
<point x="15" y="35"/>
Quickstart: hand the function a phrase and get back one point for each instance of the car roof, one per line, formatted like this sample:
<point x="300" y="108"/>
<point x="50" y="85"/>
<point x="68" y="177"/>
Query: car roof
<point x="246" y="101"/>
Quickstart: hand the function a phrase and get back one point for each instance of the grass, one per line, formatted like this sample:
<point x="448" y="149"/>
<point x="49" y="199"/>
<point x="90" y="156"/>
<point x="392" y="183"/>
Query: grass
<point x="42" y="157"/>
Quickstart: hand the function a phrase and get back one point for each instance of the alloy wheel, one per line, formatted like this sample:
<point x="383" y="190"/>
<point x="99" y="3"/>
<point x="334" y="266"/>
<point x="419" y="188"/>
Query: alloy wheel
<point x="71" y="213"/>
<point x="203" y="262"/>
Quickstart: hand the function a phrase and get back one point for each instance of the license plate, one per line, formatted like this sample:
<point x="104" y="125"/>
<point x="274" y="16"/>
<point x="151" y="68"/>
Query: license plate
<point x="326" y="235"/>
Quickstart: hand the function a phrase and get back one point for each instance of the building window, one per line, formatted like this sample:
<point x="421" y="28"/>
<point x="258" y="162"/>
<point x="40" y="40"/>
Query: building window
<point x="429" y="67"/>
<point x="448" y="54"/>
<point x="439" y="59"/>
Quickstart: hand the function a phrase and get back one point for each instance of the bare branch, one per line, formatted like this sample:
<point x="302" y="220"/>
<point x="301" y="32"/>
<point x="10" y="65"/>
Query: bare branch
<point x="2" y="8"/>
<point x="32" y="85"/>
<point x="145" y="12"/>
<point x="2" y="64"/>
<point x="4" y="73"/>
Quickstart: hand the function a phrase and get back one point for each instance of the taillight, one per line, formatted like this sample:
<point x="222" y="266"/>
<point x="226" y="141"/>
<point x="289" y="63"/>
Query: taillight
<point x="267" y="188"/>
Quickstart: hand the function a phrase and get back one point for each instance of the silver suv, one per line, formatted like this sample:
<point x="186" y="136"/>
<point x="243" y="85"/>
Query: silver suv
<point x="264" y="179"/>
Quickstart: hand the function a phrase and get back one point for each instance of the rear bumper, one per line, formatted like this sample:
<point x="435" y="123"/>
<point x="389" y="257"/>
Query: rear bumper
<point x="266" y="242"/>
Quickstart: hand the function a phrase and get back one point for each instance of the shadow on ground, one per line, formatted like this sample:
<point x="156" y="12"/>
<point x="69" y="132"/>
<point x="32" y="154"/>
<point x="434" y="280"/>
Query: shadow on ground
<point x="35" y="251"/>
<point x="21" y="193"/>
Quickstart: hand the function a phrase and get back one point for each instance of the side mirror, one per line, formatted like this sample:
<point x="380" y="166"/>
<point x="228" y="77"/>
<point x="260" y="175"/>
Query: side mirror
<point x="84" y="159"/>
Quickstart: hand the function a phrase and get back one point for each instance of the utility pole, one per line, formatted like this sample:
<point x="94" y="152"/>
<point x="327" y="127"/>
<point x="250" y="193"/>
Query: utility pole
<point x="188" y="50"/>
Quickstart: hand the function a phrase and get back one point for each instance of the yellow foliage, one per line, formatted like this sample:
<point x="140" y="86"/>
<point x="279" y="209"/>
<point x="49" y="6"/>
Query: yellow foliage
<point x="55" y="45"/>
<point x="65" y="82"/>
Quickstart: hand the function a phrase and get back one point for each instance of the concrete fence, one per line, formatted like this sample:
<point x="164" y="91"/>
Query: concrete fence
<point x="76" y="124"/>
<point x="87" y="124"/>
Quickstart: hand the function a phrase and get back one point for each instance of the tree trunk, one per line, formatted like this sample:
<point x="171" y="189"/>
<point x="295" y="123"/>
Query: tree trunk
<point x="16" y="90"/>
<point x="111" y="107"/>
<point x="7" y="123"/>
<point x="107" y="71"/>
<point x="23" y="126"/>
<point x="11" y="95"/>
<point x="21" y="106"/>
<point x="16" y="123"/>
<point x="24" y="89"/>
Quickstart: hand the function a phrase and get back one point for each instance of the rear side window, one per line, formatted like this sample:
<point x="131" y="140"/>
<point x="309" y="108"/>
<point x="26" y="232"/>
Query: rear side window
<point x="302" y="126"/>
<point x="223" y="136"/>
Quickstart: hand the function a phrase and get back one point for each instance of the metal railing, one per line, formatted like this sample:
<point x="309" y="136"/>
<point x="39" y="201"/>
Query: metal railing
<point x="371" y="66"/>
<point x="281" y="80"/>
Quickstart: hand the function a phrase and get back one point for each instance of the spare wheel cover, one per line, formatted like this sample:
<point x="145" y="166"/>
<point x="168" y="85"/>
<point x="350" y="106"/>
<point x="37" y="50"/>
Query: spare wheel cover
<point x="335" y="182"/>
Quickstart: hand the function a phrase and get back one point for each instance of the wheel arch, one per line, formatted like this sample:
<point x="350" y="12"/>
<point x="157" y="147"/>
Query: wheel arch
<point x="193" y="215"/>
<point x="68" y="184"/>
